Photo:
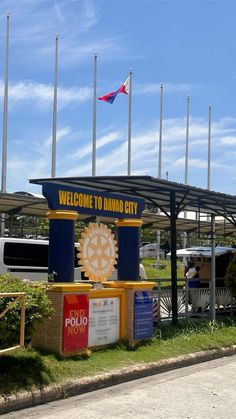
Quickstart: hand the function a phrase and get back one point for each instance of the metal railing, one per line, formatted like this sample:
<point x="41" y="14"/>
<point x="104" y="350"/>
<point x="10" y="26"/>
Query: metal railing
<point x="18" y="296"/>
<point x="191" y="301"/>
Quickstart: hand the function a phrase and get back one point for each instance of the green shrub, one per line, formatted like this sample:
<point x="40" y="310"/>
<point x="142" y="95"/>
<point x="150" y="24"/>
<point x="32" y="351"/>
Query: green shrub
<point x="37" y="307"/>
<point x="230" y="277"/>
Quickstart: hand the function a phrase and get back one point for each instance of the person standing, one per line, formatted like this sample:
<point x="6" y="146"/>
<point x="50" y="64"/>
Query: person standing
<point x="142" y="272"/>
<point x="166" y="248"/>
<point x="192" y="272"/>
<point x="193" y="278"/>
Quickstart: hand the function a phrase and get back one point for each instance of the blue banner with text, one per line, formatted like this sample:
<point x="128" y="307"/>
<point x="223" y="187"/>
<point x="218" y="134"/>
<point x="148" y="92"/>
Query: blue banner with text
<point x="143" y="315"/>
<point x="91" y="202"/>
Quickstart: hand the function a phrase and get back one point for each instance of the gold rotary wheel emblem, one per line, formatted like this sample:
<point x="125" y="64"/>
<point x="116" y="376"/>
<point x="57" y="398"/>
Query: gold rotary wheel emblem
<point x="97" y="252"/>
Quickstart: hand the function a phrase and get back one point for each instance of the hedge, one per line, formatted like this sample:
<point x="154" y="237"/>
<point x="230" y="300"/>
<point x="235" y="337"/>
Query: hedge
<point x="37" y="307"/>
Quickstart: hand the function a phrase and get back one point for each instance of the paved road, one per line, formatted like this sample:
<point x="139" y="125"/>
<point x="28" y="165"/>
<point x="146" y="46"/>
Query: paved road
<point x="207" y="390"/>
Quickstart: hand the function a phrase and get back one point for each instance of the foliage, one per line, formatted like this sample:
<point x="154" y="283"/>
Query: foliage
<point x="26" y="226"/>
<point x="79" y="227"/>
<point x="38" y="306"/>
<point x="230" y="277"/>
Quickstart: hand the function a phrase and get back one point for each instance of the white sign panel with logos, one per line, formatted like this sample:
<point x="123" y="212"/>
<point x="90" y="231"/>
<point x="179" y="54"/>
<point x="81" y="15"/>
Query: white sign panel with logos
<point x="104" y="321"/>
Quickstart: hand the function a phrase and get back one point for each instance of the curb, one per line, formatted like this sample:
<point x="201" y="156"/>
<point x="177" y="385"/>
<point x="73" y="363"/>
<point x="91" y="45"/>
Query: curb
<point x="72" y="388"/>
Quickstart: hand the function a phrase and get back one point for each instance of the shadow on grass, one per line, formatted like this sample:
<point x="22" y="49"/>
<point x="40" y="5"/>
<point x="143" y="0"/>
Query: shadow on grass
<point x="23" y="370"/>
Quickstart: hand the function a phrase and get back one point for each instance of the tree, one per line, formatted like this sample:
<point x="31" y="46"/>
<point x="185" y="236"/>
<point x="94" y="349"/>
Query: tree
<point x="230" y="277"/>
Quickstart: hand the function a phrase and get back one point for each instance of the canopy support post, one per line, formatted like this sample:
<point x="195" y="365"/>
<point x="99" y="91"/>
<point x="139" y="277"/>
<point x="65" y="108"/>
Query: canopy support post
<point x="174" y="288"/>
<point x="213" y="269"/>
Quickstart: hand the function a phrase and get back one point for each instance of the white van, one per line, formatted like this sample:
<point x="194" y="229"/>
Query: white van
<point x="27" y="258"/>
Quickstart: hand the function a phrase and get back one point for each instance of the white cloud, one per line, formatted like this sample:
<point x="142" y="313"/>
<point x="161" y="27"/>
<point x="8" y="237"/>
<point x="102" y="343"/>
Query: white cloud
<point x="144" y="160"/>
<point x="153" y="88"/>
<point x="59" y="12"/>
<point x="91" y="14"/>
<point x="34" y="18"/>
<point x="42" y="94"/>
<point x="102" y="141"/>
<point x="112" y="162"/>
<point x="72" y="52"/>
<point x="34" y="168"/>
<point x="61" y="134"/>
<point x="36" y="22"/>
<point x="228" y="140"/>
<point x="196" y="163"/>
<point x="34" y="163"/>
<point x="225" y="122"/>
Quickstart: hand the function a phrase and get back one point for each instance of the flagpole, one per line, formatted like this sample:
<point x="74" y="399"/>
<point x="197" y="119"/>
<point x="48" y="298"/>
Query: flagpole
<point x="129" y="121"/>
<point x="160" y="132"/>
<point x="5" y="124"/>
<point x="187" y="142"/>
<point x="209" y="149"/>
<point x="5" y="111"/>
<point x="158" y="232"/>
<point x="186" y="166"/>
<point x="54" y="124"/>
<point x="94" y="115"/>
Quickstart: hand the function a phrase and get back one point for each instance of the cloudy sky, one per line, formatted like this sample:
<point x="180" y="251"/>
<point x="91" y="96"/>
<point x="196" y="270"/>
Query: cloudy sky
<point x="188" y="45"/>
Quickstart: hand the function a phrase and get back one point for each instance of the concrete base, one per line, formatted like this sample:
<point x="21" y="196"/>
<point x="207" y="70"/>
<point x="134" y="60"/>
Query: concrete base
<point x="49" y="334"/>
<point x="66" y="332"/>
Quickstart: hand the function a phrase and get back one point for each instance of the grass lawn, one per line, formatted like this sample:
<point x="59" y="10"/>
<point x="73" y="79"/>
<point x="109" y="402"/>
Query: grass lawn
<point x="28" y="369"/>
<point x="154" y="273"/>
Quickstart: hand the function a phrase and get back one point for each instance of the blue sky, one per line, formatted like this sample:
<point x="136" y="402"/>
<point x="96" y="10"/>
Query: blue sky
<point x="189" y="46"/>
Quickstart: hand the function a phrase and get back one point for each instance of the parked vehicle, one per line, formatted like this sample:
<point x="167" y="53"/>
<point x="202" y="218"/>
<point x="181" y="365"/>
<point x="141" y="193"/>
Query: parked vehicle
<point x="205" y="251"/>
<point x="150" y="251"/>
<point x="27" y="258"/>
<point x="144" y="244"/>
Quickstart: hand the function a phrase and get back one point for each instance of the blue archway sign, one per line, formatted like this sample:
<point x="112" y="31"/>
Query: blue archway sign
<point x="66" y="202"/>
<point x="88" y="201"/>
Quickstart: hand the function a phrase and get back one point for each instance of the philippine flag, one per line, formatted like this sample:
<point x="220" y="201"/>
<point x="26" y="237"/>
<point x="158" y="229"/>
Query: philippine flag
<point x="124" y="88"/>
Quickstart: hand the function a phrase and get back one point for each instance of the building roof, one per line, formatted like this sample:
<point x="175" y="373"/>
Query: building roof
<point x="22" y="204"/>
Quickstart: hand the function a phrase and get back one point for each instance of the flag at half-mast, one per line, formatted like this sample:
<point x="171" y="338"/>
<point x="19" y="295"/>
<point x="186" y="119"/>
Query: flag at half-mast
<point x="124" y="88"/>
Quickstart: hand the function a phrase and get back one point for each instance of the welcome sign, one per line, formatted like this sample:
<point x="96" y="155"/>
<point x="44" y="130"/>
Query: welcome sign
<point x="92" y="202"/>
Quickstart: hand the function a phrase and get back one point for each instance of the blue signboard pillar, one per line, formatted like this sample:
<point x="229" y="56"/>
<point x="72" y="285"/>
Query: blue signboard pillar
<point x="128" y="249"/>
<point x="61" y="251"/>
<point x="143" y="314"/>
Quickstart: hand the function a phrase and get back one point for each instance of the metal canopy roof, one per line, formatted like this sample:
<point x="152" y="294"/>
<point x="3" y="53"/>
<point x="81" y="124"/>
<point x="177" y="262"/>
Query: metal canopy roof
<point x="26" y="204"/>
<point x="161" y="222"/>
<point x="14" y="204"/>
<point x="37" y="206"/>
<point x="157" y="192"/>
